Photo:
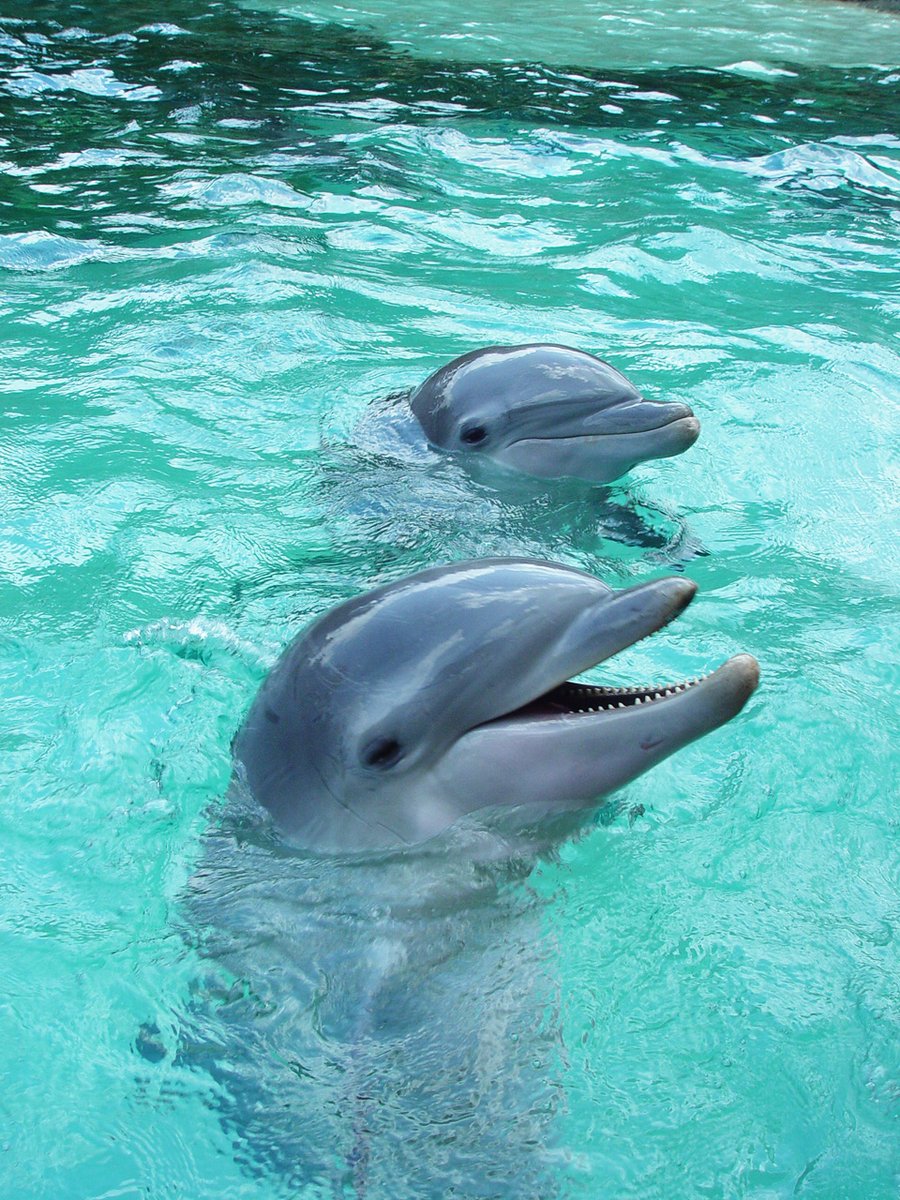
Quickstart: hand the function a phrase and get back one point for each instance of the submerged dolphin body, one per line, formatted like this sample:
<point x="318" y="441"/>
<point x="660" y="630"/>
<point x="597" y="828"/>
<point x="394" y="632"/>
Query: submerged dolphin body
<point x="548" y="411"/>
<point x="377" y="1026"/>
<point x="448" y="692"/>
<point x="385" y="1022"/>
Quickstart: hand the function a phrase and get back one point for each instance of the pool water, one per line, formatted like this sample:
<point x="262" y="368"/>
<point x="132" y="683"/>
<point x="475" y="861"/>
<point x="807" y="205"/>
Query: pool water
<point x="227" y="230"/>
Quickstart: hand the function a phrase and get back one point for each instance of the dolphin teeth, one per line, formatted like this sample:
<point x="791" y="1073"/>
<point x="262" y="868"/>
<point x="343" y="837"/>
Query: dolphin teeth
<point x="594" y="698"/>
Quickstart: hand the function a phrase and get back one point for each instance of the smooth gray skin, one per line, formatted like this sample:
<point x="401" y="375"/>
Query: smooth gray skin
<point x="548" y="411"/>
<point x="396" y="712"/>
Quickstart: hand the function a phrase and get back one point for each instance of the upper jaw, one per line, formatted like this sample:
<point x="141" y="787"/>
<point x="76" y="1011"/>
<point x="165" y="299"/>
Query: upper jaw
<point x="603" y="628"/>
<point x="645" y="416"/>
<point x="596" y="417"/>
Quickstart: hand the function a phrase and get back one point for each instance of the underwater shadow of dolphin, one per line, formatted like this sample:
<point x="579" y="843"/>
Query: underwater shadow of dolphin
<point x="382" y="1027"/>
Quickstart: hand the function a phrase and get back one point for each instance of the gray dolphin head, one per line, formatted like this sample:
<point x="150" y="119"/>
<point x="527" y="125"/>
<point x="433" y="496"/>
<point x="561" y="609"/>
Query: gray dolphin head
<point x="448" y="692"/>
<point x="548" y="411"/>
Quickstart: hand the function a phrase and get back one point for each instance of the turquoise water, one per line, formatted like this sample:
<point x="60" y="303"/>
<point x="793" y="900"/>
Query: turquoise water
<point x="227" y="230"/>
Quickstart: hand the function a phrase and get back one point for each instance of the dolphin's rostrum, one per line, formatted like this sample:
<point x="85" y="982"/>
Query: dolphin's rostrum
<point x="450" y="691"/>
<point x="548" y="411"/>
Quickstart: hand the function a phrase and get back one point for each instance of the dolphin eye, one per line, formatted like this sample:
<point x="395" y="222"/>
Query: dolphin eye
<point x="473" y="434"/>
<point x="382" y="752"/>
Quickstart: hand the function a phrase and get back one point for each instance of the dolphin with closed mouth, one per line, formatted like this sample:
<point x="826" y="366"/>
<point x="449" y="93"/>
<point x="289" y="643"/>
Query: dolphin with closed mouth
<point x="548" y="411"/>
<point x="451" y="691"/>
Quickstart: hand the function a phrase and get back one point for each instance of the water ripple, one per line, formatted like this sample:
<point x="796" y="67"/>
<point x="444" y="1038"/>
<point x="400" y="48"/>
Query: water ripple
<point x="228" y="234"/>
<point x="95" y="81"/>
<point x="823" y="167"/>
<point x="38" y="251"/>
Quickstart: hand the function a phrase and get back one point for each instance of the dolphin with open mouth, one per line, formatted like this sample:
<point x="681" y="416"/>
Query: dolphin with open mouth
<point x="379" y="1020"/>
<point x="451" y="691"/>
<point x="548" y="411"/>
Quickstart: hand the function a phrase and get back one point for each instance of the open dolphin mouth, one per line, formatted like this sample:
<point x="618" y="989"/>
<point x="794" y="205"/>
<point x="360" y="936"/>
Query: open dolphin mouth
<point x="735" y="681"/>
<point x="571" y="698"/>
<point x="632" y="725"/>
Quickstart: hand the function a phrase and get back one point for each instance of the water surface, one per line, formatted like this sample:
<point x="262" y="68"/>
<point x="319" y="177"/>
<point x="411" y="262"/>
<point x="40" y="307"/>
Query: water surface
<point x="227" y="230"/>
